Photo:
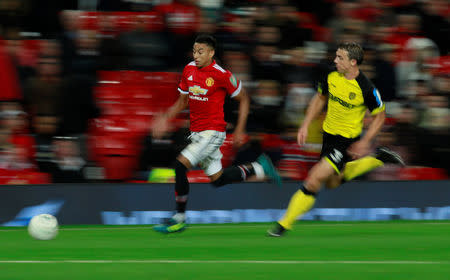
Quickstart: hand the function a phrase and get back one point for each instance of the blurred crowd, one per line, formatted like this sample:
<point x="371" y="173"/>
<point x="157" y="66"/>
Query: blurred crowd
<point x="61" y="62"/>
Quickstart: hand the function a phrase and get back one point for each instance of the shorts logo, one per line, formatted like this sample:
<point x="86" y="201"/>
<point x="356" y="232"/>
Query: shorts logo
<point x="336" y="156"/>
<point x="210" y="82"/>
<point x="352" y="95"/>
<point x="196" y="90"/>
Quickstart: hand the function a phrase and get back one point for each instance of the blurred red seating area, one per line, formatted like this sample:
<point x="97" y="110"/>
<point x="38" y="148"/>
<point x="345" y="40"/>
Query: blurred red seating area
<point x="128" y="101"/>
<point x="121" y="21"/>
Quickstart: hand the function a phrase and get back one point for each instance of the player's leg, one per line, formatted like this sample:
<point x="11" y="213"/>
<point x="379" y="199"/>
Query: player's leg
<point x="182" y="165"/>
<point x="261" y="168"/>
<point x="364" y="165"/>
<point x="333" y="157"/>
<point x="201" y="146"/>
<point x="303" y="200"/>
<point x="177" y="222"/>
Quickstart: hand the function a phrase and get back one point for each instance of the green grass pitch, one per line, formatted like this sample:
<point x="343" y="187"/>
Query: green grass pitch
<point x="314" y="250"/>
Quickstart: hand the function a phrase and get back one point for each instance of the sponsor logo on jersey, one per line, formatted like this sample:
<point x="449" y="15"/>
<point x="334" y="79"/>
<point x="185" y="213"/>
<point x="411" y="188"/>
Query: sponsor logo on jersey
<point x="196" y="90"/>
<point x="342" y="102"/>
<point x="198" y="98"/>
<point x="210" y="82"/>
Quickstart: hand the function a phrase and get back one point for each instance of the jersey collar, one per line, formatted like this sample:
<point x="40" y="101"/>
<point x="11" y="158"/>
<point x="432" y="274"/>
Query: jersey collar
<point x="209" y="67"/>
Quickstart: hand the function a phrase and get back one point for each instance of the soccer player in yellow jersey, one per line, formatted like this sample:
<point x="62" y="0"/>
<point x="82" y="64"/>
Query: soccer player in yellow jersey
<point x="348" y="94"/>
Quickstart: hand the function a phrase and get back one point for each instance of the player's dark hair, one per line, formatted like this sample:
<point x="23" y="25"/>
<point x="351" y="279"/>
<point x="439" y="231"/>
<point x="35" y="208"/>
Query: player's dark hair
<point x="354" y="50"/>
<point x="207" y="40"/>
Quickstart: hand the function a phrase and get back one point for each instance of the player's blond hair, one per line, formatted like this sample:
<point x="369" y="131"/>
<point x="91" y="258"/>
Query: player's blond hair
<point x="354" y="50"/>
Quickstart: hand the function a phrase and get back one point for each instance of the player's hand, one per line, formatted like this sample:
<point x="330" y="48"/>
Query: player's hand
<point x="302" y="135"/>
<point x="359" y="149"/>
<point x="238" y="138"/>
<point x="160" y="126"/>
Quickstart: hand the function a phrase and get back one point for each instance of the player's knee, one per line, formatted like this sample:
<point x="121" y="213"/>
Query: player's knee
<point x="312" y="184"/>
<point x="180" y="168"/>
<point x="334" y="182"/>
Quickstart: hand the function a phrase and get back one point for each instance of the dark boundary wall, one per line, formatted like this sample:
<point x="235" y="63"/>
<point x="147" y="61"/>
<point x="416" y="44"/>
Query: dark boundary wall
<point x="249" y="202"/>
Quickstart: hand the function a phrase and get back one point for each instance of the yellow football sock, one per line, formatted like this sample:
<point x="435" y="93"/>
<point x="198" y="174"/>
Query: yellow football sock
<point x="360" y="166"/>
<point x="300" y="204"/>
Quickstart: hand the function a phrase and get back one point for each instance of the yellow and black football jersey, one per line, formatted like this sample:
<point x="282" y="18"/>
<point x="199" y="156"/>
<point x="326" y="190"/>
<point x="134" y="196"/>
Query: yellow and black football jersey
<point x="348" y="101"/>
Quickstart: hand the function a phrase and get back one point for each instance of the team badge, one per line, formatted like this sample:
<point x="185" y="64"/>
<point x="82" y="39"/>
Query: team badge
<point x="210" y="82"/>
<point x="233" y="81"/>
<point x="352" y="95"/>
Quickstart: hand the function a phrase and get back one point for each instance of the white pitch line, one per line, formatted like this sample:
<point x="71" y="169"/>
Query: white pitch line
<point x="218" y="262"/>
<point x="196" y="226"/>
<point x="234" y="226"/>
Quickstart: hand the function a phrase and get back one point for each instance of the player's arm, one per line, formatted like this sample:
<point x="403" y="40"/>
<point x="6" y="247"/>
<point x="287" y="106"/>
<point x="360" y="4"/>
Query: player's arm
<point x="374" y="128"/>
<point x="315" y="107"/>
<point x="372" y="99"/>
<point x="362" y="147"/>
<point x="244" y="108"/>
<point x="161" y="123"/>
<point x="181" y="104"/>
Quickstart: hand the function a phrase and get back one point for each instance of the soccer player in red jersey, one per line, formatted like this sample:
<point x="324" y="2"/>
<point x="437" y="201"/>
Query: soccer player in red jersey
<point x="203" y="87"/>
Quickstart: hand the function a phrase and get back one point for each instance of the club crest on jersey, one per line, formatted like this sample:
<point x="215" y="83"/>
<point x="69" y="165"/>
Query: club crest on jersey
<point x="196" y="90"/>
<point x="209" y="82"/>
<point x="352" y="95"/>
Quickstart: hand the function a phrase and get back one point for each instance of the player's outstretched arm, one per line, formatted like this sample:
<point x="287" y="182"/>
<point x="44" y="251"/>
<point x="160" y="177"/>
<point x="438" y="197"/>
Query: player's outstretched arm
<point x="160" y="125"/>
<point x="244" y="107"/>
<point x="315" y="107"/>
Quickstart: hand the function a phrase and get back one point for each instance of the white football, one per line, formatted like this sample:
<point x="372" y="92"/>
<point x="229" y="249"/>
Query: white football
<point x="43" y="227"/>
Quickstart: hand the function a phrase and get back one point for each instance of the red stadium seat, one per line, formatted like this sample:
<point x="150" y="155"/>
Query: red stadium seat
<point x="118" y="155"/>
<point x="140" y="92"/>
<point x="118" y="167"/>
<point x="197" y="176"/>
<point x="153" y="21"/>
<point x="422" y="173"/>
<point x="23" y="177"/>
<point x="110" y="93"/>
<point x="229" y="151"/>
<point x="124" y="21"/>
<point x="109" y="77"/>
<point x="89" y="20"/>
<point x="139" y="124"/>
<point x="162" y="78"/>
<point x="296" y="162"/>
<point x="114" y="145"/>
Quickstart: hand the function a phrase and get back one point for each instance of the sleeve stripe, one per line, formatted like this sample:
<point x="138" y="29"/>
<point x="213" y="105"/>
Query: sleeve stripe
<point x="182" y="91"/>
<point x="238" y="90"/>
<point x="377" y="97"/>
<point x="219" y="68"/>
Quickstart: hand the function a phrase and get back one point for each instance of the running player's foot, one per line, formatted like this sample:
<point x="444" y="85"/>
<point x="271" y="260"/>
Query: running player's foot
<point x="269" y="169"/>
<point x="171" y="226"/>
<point x="387" y="156"/>
<point x="276" y="231"/>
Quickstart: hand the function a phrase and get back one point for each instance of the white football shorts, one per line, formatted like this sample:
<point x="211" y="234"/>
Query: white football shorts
<point x="204" y="150"/>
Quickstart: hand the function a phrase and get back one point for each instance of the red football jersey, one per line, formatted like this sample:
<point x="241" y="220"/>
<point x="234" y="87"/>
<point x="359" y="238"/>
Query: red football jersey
<point x="207" y="88"/>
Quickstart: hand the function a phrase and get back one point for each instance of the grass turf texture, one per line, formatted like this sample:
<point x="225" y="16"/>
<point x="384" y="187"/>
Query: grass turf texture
<point x="314" y="250"/>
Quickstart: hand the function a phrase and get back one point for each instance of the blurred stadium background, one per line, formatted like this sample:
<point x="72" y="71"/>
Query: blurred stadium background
<point x="81" y="81"/>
